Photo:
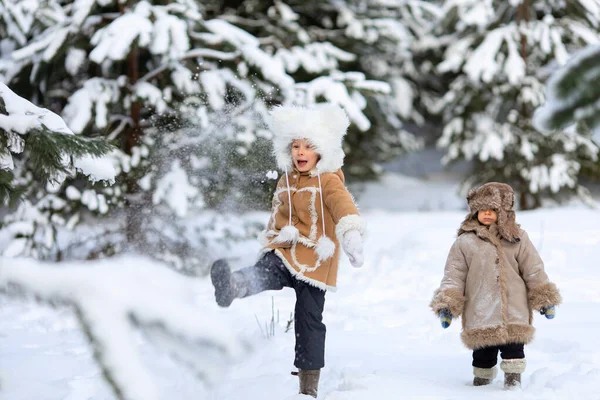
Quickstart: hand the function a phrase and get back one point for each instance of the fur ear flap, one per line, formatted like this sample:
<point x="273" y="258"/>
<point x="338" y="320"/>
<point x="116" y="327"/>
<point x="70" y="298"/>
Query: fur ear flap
<point x="509" y="229"/>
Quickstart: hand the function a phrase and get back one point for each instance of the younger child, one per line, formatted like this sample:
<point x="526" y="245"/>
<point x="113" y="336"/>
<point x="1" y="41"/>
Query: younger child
<point x="494" y="278"/>
<point x="312" y="213"/>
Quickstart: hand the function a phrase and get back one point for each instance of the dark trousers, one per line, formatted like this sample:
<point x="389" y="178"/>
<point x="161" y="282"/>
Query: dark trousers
<point x="487" y="357"/>
<point x="269" y="273"/>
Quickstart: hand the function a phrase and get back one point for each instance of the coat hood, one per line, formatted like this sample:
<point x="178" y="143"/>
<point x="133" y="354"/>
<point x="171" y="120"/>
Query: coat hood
<point x="324" y="125"/>
<point x="496" y="196"/>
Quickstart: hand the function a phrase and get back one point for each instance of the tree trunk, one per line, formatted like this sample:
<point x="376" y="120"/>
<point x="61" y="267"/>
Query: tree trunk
<point x="523" y="17"/>
<point x="134" y="203"/>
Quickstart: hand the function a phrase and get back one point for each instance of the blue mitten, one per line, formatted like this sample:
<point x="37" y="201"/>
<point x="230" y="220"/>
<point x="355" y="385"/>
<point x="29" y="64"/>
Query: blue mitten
<point x="549" y="312"/>
<point x="445" y="318"/>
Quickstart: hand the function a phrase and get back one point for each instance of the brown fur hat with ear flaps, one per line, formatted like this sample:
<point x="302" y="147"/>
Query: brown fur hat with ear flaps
<point x="499" y="197"/>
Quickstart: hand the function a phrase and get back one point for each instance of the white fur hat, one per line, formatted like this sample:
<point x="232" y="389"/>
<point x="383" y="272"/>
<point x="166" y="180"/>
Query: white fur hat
<point x="324" y="125"/>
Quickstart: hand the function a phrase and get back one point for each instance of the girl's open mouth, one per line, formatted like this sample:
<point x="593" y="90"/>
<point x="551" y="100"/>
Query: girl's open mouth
<point x="301" y="163"/>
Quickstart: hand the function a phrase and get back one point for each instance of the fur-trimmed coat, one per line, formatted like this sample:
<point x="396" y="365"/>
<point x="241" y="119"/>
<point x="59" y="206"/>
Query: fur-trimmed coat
<point x="341" y="216"/>
<point x="495" y="285"/>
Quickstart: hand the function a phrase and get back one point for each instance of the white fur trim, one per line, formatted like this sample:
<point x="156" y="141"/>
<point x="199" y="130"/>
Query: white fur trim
<point x="287" y="234"/>
<point x="324" y="125"/>
<point x="325" y="248"/>
<point x="348" y="223"/>
<point x="485" y="373"/>
<point x="301" y="239"/>
<point x="303" y="267"/>
<point x="276" y="204"/>
<point x="298" y="275"/>
<point x="513" y="366"/>
<point x="312" y="210"/>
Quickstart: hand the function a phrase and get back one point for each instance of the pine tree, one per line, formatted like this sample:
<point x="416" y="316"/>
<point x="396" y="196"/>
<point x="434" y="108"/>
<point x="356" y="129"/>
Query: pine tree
<point x="498" y="56"/>
<point x="183" y="89"/>
<point x="378" y="39"/>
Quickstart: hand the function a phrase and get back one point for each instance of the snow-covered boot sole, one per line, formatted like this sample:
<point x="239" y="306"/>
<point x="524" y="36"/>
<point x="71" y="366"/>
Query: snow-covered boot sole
<point x="220" y="275"/>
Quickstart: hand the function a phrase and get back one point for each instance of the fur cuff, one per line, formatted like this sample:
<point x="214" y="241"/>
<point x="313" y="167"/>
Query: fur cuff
<point x="544" y="295"/>
<point x="485" y="373"/>
<point x="348" y="223"/>
<point x="513" y="366"/>
<point x="451" y="299"/>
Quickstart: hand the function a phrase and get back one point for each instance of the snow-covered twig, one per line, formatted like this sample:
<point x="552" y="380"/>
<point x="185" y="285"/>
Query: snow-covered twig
<point x="125" y="120"/>
<point x="112" y="299"/>
<point x="209" y="53"/>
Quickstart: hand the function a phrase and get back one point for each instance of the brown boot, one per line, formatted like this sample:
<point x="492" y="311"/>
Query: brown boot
<point x="512" y="380"/>
<point x="309" y="381"/>
<point x="481" y="381"/>
<point x="483" y="376"/>
<point x="513" y="368"/>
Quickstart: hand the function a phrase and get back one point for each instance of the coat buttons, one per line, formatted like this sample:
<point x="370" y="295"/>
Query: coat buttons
<point x="295" y="219"/>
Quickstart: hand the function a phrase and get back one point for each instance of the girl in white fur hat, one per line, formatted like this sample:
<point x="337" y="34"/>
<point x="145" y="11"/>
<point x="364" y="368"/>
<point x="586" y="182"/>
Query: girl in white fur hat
<point x="312" y="213"/>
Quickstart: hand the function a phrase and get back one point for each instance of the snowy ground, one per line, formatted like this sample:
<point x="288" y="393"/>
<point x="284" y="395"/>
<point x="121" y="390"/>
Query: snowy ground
<point x="382" y="340"/>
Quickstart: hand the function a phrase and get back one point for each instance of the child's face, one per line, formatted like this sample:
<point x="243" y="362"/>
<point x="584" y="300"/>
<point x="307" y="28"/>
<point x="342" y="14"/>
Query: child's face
<point x="303" y="154"/>
<point x="487" y="217"/>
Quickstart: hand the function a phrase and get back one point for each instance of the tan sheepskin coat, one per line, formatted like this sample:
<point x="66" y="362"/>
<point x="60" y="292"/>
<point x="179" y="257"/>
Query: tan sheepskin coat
<point x="494" y="284"/>
<point x="341" y="215"/>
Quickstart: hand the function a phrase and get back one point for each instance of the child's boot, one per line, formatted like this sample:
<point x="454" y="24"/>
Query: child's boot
<point x="513" y="368"/>
<point x="309" y="381"/>
<point x="483" y="376"/>
<point x="225" y="285"/>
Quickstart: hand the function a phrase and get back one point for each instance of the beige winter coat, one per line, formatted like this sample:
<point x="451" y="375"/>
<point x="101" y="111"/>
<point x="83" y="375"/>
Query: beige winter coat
<point x="495" y="285"/>
<point x="341" y="216"/>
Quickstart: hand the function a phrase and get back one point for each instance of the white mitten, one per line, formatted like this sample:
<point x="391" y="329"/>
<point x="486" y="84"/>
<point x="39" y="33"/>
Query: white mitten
<point x="353" y="247"/>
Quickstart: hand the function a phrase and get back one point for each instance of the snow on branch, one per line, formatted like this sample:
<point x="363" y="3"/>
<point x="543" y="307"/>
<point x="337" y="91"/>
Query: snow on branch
<point x="54" y="147"/>
<point x="271" y="68"/>
<point x="336" y="90"/>
<point x="572" y="94"/>
<point x="115" y="298"/>
<point x="20" y="116"/>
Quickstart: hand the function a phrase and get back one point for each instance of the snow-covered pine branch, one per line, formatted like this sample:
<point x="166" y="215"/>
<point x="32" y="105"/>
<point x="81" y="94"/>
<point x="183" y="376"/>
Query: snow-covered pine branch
<point x="52" y="148"/>
<point x="114" y="300"/>
<point x="572" y="94"/>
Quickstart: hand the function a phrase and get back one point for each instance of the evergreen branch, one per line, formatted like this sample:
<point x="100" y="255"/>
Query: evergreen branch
<point x="110" y="323"/>
<point x="9" y="194"/>
<point x="573" y="94"/>
<point x="47" y="150"/>
<point x="194" y="53"/>
<point x="99" y="355"/>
